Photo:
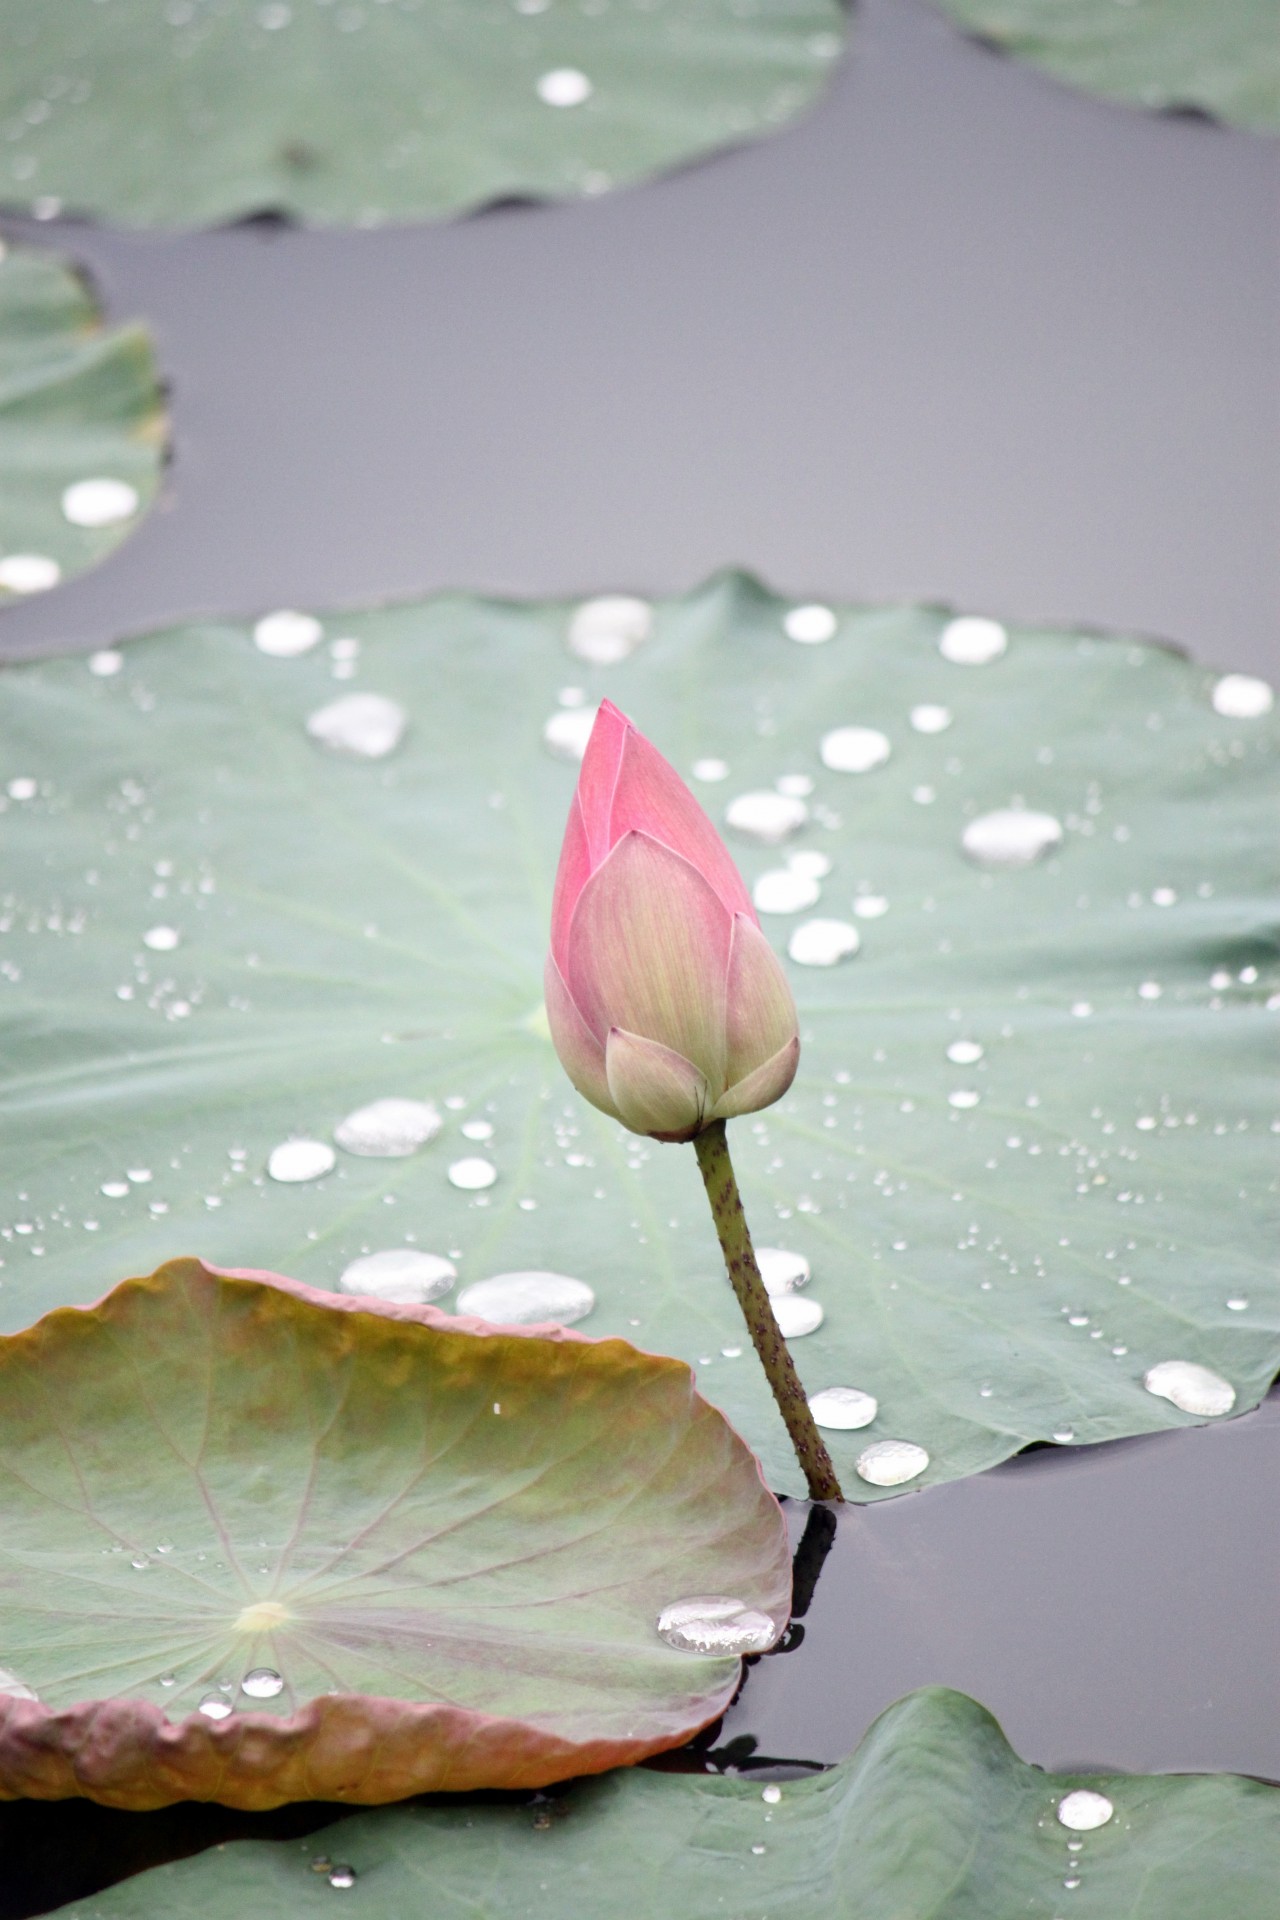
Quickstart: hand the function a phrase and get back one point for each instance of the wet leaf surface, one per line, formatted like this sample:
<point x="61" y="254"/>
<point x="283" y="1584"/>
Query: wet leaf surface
<point x="358" y="114"/>
<point x="934" y="1814"/>
<point x="1030" y="1154"/>
<point x="82" y="424"/>
<point x="253" y="1548"/>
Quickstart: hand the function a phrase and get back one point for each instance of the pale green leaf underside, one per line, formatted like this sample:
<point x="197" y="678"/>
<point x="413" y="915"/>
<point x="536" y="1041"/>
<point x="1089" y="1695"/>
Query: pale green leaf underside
<point x="352" y="929"/>
<point x="933" y="1816"/>
<point x="1222" y="56"/>
<point x="76" y="403"/>
<point x="187" y="114"/>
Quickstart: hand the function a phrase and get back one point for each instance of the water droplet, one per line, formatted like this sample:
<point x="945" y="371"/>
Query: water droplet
<point x="963" y="1053"/>
<point x="564" y="87"/>
<point x="870" y="906"/>
<point x="525" y="1299"/>
<point x="927" y="719"/>
<point x="782" y="1271"/>
<point x="11" y="1688"/>
<point x="823" y="943"/>
<point x="365" y="724"/>
<point x="161" y="939"/>
<point x="295" y="1160"/>
<point x="105" y="662"/>
<point x="388" y="1129"/>
<point x="963" y="1098"/>
<point x="1150" y="990"/>
<point x="854" y="749"/>
<point x="1237" y="1304"/>
<point x="472" y="1175"/>
<point x="1010" y="837"/>
<point x="1164" y="897"/>
<point x="606" y="630"/>
<point x="1239" y="696"/>
<point x="1063" y="1436"/>
<point x="214" y="1706"/>
<point x="711" y="770"/>
<point x="402" y="1275"/>
<point x="783" y="890"/>
<point x="972" y="641"/>
<point x="99" y="503"/>
<point x="29" y="573"/>
<point x="342" y="1876"/>
<point x="114" y="1189"/>
<point x="891" y="1463"/>
<point x="717" y="1625"/>
<point x="811" y="625"/>
<point x="1084" y="1810"/>
<point x="22" y="787"/>
<point x="261" y="1683"/>
<point x="811" y="862"/>
<point x="139" y="1175"/>
<point x="843" y="1408"/>
<point x="566" y="733"/>
<point x="286" y="634"/>
<point x="796" y="1315"/>
<point x="766" y="817"/>
<point x="477" y="1129"/>
<point x="771" y="1795"/>
<point x="1191" y="1388"/>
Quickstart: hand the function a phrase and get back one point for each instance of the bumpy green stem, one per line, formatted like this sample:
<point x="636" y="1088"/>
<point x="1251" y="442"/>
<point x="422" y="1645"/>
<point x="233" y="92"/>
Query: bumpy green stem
<point x="716" y="1168"/>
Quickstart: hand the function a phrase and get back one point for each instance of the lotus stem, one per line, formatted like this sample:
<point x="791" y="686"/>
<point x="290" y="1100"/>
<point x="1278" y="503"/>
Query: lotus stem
<point x="712" y="1149"/>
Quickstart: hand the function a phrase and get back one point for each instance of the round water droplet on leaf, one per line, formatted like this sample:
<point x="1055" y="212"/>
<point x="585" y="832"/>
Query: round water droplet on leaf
<point x="766" y="817"/>
<point x="810" y="625"/>
<point x="854" y="749"/>
<point x="1084" y="1810"/>
<point x="564" y="87"/>
<point x="161" y="939"/>
<point x="823" y="943"/>
<point x="28" y="573"/>
<point x="964" y="1052"/>
<point x="296" y="1160"/>
<point x="1011" y="837"/>
<point x="287" y="633"/>
<point x="1192" y="1388"/>
<point x="472" y="1175"/>
<point x="781" y="1270"/>
<point x="215" y="1706"/>
<point x="367" y="725"/>
<point x="99" y="503"/>
<point x="841" y="1409"/>
<point x="262" y="1683"/>
<point x="104" y="664"/>
<point x="796" y="1315"/>
<point x="526" y="1299"/>
<point x="715" y="1625"/>
<point x="930" y="719"/>
<point x="972" y="641"/>
<point x="388" y="1129"/>
<point x="401" y="1275"/>
<point x="606" y="630"/>
<point x="1239" y="696"/>
<point x="784" y="890"/>
<point x="891" y="1463"/>
<point x="567" y="732"/>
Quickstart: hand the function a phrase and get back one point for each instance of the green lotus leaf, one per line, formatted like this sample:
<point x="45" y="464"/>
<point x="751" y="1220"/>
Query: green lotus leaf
<point x="253" y="1549"/>
<point x="82" y="424"/>
<point x="933" y="1815"/>
<point x="1221" y="56"/>
<point x="1030" y="1153"/>
<point x="189" y="113"/>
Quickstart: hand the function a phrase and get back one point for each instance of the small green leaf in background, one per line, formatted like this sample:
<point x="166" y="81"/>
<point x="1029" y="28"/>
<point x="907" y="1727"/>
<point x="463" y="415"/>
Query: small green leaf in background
<point x="1222" y="56"/>
<point x="266" y="877"/>
<point x="253" y="1549"/>
<point x="82" y="424"/>
<point x="186" y="114"/>
<point x="934" y="1815"/>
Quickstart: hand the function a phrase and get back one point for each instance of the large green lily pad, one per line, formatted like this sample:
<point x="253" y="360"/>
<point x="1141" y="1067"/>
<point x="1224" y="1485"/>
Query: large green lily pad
<point x="934" y="1815"/>
<point x="82" y="424"/>
<point x="1222" y="56"/>
<point x="221" y="933"/>
<point x="357" y="112"/>
<point x="256" y="1549"/>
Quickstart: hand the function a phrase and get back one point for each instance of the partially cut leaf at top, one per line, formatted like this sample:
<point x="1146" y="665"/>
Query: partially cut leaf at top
<point x="934" y="1815"/>
<point x="255" y="1548"/>
<point x="189" y="114"/>
<point x="1028" y="1158"/>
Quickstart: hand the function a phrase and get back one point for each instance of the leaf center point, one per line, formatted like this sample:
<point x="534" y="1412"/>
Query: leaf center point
<point x="262" y="1616"/>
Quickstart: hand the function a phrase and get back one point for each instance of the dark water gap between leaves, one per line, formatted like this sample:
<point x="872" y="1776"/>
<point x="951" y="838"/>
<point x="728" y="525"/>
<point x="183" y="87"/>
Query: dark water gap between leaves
<point x="1113" y="1606"/>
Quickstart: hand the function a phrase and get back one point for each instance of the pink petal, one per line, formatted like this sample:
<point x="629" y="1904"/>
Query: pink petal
<point x="599" y="777"/>
<point x="654" y="1090"/>
<point x="650" y="797"/>
<point x="572" y="875"/>
<point x="648" y="951"/>
<point x="761" y="1088"/>
<point x="581" y="1054"/>
<point x="760" y="1012"/>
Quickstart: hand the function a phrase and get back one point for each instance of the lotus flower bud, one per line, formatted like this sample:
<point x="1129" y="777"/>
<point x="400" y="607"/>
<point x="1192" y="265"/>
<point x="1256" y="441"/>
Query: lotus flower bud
<point x="667" y="1005"/>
